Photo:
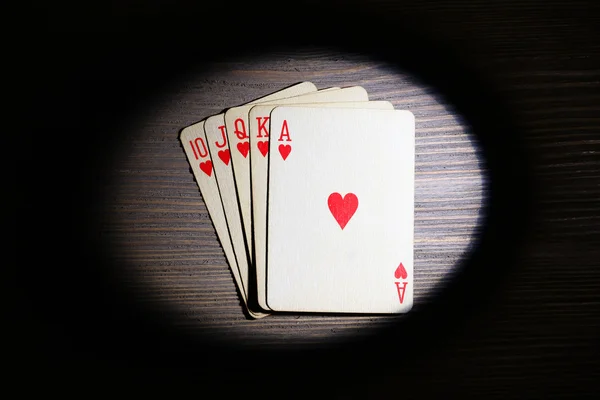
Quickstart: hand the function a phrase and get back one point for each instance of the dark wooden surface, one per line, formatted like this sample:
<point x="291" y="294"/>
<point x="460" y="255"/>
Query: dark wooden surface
<point x="138" y="221"/>
<point x="160" y="228"/>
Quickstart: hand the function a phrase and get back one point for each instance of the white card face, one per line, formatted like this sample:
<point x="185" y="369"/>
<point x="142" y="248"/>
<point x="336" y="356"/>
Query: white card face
<point x="216" y="137"/>
<point x="340" y="211"/>
<point x="295" y="90"/>
<point x="194" y="143"/>
<point x="259" y="163"/>
<point x="236" y="122"/>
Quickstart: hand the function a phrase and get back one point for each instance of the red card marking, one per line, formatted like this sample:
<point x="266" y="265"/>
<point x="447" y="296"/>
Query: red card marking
<point x="342" y="209"/>
<point x="206" y="167"/>
<point x="243" y="148"/>
<point x="284" y="150"/>
<point x="263" y="147"/>
<point x="400" y="272"/>
<point x="401" y="290"/>
<point x="225" y="156"/>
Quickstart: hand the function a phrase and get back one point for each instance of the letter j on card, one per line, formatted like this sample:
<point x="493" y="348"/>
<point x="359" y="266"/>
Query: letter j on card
<point x="311" y="193"/>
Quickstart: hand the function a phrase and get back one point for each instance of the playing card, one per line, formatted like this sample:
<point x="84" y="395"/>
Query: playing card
<point x="216" y="140"/>
<point x="340" y="210"/>
<point x="193" y="141"/>
<point x="236" y="123"/>
<point x="259" y="145"/>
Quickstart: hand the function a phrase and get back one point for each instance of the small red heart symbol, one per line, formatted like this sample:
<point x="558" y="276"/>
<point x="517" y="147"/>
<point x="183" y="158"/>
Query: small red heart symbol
<point x="344" y="208"/>
<point x="206" y="167"/>
<point x="284" y="150"/>
<point x="263" y="147"/>
<point x="243" y="148"/>
<point x="225" y="156"/>
<point x="400" y="272"/>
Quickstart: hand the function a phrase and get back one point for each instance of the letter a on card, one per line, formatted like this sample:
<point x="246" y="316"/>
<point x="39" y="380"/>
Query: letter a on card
<point x="259" y="166"/>
<point x="340" y="211"/>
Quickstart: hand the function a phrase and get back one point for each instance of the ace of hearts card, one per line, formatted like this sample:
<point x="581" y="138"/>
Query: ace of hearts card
<point x="340" y="210"/>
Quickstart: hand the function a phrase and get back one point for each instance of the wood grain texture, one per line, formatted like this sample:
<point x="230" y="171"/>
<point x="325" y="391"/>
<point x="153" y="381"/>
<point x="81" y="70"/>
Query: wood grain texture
<point x="537" y="336"/>
<point x="172" y="249"/>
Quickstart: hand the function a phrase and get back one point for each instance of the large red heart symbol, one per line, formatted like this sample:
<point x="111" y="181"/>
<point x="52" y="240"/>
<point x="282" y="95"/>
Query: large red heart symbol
<point x="344" y="208"/>
<point x="263" y="147"/>
<point x="225" y="156"/>
<point x="206" y="167"/>
<point x="243" y="148"/>
<point x="400" y="272"/>
<point x="284" y="150"/>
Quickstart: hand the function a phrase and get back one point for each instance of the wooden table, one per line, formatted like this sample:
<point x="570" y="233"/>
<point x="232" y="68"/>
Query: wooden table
<point x="144" y="280"/>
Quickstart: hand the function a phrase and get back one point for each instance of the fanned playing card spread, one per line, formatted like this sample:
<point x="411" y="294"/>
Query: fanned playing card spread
<point x="237" y="123"/>
<point x="311" y="193"/>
